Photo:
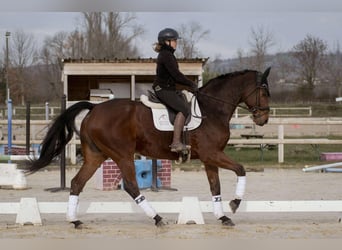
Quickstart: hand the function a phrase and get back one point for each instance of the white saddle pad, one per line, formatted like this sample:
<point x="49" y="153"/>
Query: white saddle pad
<point x="161" y="116"/>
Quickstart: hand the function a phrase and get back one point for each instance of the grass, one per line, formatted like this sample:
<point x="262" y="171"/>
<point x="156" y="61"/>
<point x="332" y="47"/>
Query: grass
<point x="295" y="156"/>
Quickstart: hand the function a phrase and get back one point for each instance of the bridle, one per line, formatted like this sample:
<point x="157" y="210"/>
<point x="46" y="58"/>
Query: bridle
<point x="261" y="84"/>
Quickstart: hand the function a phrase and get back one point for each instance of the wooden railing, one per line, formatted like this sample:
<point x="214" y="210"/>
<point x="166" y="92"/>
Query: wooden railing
<point x="280" y="112"/>
<point x="280" y="141"/>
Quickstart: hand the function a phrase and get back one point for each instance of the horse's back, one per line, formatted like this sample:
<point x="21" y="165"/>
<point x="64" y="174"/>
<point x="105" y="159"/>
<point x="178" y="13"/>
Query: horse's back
<point x="115" y="108"/>
<point x="115" y="114"/>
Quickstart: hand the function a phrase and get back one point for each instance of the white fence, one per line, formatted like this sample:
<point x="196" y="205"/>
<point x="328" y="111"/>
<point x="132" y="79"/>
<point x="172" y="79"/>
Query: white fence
<point x="280" y="141"/>
<point x="285" y="112"/>
<point x="42" y="112"/>
<point x="40" y="127"/>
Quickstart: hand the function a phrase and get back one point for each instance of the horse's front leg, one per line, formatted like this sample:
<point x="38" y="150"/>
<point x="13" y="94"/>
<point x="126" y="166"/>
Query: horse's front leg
<point x="239" y="193"/>
<point x="215" y="188"/>
<point x="221" y="160"/>
<point x="131" y="187"/>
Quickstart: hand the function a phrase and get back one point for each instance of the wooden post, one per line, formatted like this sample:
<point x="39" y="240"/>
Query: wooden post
<point x="28" y="117"/>
<point x="62" y="162"/>
<point x="280" y="145"/>
<point x="154" y="175"/>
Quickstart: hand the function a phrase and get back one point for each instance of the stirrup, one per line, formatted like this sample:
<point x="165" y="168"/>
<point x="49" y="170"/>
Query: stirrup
<point x="179" y="147"/>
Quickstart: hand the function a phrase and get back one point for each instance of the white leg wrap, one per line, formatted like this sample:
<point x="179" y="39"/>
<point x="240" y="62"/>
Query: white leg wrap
<point x="142" y="202"/>
<point x="240" y="187"/>
<point x="72" y="208"/>
<point x="217" y="205"/>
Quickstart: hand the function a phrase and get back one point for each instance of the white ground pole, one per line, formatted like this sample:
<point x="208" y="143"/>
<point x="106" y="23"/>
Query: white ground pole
<point x="189" y="210"/>
<point x="324" y="166"/>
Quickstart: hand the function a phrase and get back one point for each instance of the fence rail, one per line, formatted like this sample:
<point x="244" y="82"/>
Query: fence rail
<point x="37" y="113"/>
<point x="280" y="112"/>
<point x="49" y="112"/>
<point x="280" y="141"/>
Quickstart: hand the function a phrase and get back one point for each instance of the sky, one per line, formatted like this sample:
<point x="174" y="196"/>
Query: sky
<point x="229" y="22"/>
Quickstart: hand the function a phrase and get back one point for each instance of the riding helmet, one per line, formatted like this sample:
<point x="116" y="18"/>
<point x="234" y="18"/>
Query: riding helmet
<point x="167" y="34"/>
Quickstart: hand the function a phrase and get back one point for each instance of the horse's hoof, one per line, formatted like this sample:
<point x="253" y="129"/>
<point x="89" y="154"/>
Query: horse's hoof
<point x="78" y="224"/>
<point x="234" y="205"/>
<point x="179" y="161"/>
<point x="227" y="221"/>
<point x="159" y="221"/>
<point x="160" y="224"/>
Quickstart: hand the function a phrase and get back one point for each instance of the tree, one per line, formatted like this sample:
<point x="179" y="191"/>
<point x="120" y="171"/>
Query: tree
<point x="92" y="22"/>
<point x="99" y="35"/>
<point x="23" y="54"/>
<point x="110" y="35"/>
<point x="260" y="41"/>
<point x="333" y="69"/>
<point x="191" y="33"/>
<point x="310" y="54"/>
<point x="120" y="33"/>
<point x="55" y="48"/>
<point x="76" y="44"/>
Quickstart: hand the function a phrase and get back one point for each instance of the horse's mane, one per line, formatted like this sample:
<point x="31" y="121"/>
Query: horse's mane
<point x="233" y="74"/>
<point x="230" y="75"/>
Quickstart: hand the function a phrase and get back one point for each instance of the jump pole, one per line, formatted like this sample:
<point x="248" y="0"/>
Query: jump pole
<point x="325" y="166"/>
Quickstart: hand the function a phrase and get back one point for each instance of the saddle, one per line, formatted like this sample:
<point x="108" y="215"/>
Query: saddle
<point x="163" y="117"/>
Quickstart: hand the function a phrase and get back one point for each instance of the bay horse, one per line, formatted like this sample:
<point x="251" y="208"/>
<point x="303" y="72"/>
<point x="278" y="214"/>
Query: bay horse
<point x="119" y="128"/>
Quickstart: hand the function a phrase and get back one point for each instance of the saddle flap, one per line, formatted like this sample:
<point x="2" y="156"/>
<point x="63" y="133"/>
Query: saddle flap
<point x="161" y="116"/>
<point x="153" y="105"/>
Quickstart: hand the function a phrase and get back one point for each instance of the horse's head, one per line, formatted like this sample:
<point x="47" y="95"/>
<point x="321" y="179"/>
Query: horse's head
<point x="257" y="98"/>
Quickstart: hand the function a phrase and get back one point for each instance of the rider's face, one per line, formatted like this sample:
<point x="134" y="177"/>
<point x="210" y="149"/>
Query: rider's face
<point x="172" y="43"/>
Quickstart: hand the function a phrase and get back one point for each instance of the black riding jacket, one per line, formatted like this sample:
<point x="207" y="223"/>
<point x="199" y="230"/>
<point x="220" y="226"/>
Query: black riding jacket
<point x="168" y="73"/>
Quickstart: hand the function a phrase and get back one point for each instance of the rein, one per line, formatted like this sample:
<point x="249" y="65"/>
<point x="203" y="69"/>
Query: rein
<point x="224" y="102"/>
<point x="251" y="110"/>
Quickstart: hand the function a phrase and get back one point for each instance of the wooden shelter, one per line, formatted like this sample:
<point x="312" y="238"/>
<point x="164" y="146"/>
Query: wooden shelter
<point x="124" y="78"/>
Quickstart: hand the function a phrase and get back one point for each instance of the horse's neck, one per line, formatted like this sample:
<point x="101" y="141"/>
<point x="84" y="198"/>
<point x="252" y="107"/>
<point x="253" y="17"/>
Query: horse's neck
<point x="217" y="108"/>
<point x="220" y="99"/>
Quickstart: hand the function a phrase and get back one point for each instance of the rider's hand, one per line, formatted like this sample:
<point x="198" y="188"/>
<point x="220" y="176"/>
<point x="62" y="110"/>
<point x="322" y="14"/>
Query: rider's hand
<point x="194" y="88"/>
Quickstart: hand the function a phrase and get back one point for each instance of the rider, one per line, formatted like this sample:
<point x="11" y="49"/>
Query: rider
<point x="167" y="75"/>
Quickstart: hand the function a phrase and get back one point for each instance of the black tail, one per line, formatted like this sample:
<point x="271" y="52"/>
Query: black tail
<point x="58" y="135"/>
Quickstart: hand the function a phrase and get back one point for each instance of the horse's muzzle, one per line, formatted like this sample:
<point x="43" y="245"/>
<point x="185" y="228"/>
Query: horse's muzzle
<point x="260" y="118"/>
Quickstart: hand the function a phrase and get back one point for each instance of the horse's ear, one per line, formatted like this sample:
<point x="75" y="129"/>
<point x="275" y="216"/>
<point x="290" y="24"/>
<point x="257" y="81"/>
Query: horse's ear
<point x="266" y="73"/>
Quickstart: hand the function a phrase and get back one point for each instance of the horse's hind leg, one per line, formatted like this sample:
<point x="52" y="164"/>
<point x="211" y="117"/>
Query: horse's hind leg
<point x="127" y="169"/>
<point x="92" y="161"/>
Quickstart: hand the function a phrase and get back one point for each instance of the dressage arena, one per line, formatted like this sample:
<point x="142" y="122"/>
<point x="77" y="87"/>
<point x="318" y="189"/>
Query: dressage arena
<point x="271" y="184"/>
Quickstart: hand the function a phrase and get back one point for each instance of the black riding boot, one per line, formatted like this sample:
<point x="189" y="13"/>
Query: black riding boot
<point x="177" y="145"/>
